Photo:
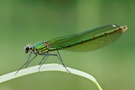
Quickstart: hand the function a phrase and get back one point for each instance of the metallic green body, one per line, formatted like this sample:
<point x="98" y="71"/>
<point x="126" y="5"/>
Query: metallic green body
<point x="84" y="41"/>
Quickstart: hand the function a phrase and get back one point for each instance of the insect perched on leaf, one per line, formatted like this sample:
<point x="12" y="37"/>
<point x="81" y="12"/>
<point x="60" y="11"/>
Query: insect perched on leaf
<point x="84" y="41"/>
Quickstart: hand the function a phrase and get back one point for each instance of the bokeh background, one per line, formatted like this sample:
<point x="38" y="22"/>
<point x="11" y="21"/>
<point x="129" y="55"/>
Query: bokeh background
<point x="30" y="21"/>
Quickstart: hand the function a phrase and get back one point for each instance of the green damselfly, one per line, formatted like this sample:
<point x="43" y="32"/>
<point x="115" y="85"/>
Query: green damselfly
<point x="84" y="41"/>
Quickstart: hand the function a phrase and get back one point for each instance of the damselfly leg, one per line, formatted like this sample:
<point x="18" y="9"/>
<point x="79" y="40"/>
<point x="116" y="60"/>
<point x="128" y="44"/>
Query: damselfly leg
<point x="42" y="61"/>
<point x="26" y="63"/>
<point x="57" y="55"/>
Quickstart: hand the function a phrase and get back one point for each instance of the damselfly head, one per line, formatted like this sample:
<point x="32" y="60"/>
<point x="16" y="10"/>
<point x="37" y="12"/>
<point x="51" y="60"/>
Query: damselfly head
<point x="27" y="48"/>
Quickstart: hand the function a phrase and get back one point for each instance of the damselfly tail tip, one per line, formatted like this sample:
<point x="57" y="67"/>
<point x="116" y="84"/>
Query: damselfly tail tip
<point x="124" y="28"/>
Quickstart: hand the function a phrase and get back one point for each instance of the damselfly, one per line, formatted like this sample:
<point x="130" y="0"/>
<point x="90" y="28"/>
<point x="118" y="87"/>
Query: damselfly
<point x="84" y="41"/>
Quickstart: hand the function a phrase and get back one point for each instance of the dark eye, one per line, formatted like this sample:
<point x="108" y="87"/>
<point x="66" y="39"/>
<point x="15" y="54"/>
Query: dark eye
<point x="27" y="48"/>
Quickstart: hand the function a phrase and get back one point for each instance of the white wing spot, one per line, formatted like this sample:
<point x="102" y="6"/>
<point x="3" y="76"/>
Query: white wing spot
<point x="113" y="25"/>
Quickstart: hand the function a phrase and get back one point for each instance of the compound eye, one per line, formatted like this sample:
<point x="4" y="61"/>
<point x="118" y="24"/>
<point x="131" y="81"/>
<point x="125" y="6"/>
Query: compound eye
<point x="27" y="48"/>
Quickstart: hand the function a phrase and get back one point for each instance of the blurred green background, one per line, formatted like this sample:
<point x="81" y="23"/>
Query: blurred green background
<point x="30" y="21"/>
